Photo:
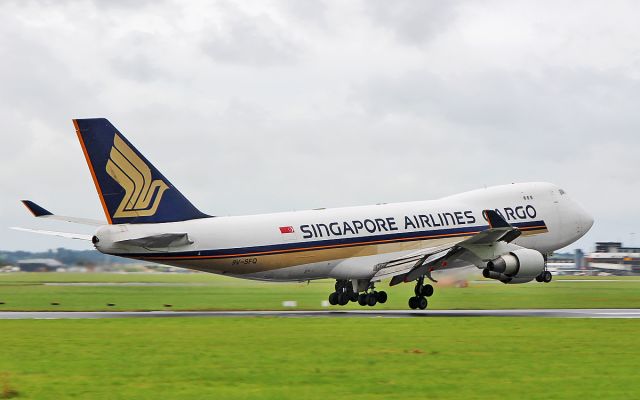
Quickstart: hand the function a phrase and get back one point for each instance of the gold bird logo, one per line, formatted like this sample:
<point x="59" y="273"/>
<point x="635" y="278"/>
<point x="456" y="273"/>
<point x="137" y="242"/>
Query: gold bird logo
<point x="142" y="193"/>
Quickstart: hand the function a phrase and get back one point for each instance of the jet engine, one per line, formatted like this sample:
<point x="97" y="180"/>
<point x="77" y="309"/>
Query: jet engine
<point x="518" y="266"/>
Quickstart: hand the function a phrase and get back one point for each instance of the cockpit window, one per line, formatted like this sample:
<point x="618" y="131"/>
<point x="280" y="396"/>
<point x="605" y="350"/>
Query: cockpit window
<point x="562" y="191"/>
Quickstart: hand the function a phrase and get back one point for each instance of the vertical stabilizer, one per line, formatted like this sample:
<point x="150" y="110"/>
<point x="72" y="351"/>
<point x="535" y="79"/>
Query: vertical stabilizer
<point x="131" y="189"/>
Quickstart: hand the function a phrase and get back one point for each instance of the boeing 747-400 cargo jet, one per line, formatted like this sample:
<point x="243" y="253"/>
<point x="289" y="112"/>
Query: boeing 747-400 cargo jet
<point x="506" y="231"/>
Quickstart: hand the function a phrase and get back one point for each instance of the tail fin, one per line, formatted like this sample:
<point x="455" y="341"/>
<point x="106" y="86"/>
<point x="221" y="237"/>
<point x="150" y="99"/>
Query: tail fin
<point x="131" y="189"/>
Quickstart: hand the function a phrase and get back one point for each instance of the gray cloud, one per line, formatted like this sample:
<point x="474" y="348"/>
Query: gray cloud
<point x="253" y="40"/>
<point x="559" y="101"/>
<point x="138" y="57"/>
<point x="411" y="21"/>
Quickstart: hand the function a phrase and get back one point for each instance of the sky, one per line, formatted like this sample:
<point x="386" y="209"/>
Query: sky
<point x="265" y="106"/>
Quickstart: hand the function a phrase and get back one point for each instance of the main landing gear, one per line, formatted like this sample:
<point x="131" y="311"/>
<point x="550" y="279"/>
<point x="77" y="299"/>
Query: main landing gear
<point x="344" y="294"/>
<point x="421" y="291"/>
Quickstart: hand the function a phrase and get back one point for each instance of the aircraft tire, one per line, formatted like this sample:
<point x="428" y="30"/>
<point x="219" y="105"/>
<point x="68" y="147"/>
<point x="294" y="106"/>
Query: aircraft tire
<point x="422" y="302"/>
<point x="540" y="278"/>
<point x="333" y="298"/>
<point x="413" y="303"/>
<point x="371" y="299"/>
<point x="427" y="290"/>
<point x="547" y="277"/>
<point x="362" y="299"/>
<point x="343" y="299"/>
<point x="381" y="297"/>
<point x="353" y="296"/>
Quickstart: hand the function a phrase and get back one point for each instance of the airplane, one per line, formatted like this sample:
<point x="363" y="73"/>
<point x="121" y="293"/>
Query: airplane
<point x="506" y="231"/>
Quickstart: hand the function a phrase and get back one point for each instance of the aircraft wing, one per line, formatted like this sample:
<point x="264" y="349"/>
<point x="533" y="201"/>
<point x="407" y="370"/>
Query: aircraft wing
<point x="40" y="212"/>
<point x="422" y="262"/>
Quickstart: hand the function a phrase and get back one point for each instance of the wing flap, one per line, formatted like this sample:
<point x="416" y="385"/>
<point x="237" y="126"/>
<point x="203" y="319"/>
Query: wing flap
<point x="410" y="261"/>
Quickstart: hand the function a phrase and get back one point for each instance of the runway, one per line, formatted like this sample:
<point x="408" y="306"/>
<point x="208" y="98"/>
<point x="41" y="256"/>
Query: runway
<point x="545" y="313"/>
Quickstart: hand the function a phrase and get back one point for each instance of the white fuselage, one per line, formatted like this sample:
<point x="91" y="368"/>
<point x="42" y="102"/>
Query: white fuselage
<point x="347" y="243"/>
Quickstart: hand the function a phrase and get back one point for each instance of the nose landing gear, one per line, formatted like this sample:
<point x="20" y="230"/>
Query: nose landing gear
<point x="545" y="276"/>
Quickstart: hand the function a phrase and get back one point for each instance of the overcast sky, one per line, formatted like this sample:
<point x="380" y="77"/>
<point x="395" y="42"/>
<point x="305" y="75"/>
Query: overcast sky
<point x="263" y="106"/>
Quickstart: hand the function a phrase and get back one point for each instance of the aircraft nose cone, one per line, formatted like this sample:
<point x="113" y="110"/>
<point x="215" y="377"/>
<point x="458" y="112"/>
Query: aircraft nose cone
<point x="589" y="221"/>
<point x="584" y="221"/>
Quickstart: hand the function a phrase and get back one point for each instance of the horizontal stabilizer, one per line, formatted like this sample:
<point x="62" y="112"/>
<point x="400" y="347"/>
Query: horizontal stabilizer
<point x="41" y="212"/>
<point x="78" y="236"/>
<point x="163" y="240"/>
<point x="35" y="209"/>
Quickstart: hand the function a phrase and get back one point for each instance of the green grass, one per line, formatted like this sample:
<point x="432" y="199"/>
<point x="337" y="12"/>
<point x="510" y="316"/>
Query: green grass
<point x="313" y="358"/>
<point x="321" y="358"/>
<point x="27" y="291"/>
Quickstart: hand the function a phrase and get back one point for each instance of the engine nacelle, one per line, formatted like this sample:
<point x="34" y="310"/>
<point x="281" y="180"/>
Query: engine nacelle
<point x="518" y="266"/>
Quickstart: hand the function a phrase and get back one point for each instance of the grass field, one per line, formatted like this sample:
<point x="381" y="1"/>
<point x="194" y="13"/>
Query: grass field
<point x="312" y="358"/>
<point x="321" y="358"/>
<point x="33" y="291"/>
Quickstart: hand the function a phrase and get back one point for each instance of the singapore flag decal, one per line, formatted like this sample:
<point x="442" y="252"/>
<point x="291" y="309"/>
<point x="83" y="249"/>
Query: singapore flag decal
<point x="286" y="229"/>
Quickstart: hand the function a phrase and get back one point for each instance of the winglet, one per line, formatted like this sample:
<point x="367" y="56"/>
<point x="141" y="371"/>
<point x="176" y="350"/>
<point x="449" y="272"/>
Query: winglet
<point x="495" y="220"/>
<point x="35" y="209"/>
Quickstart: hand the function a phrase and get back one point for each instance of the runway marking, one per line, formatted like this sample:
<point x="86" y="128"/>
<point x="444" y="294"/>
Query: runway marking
<point x="540" y="313"/>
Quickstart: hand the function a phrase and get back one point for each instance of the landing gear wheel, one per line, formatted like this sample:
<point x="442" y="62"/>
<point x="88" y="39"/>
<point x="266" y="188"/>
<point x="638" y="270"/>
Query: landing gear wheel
<point x="382" y="297"/>
<point x="371" y="299"/>
<point x="343" y="299"/>
<point x="539" y="278"/>
<point x="362" y="299"/>
<point x="422" y="302"/>
<point x="413" y="303"/>
<point x="333" y="298"/>
<point x="546" y="276"/>
<point x="427" y="290"/>
<point x="353" y="296"/>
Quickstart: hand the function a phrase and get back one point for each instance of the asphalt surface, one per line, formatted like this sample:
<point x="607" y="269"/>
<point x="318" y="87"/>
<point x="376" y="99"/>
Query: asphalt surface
<point x="549" y="313"/>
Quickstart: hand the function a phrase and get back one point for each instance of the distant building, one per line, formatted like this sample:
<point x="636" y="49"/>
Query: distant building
<point x="613" y="257"/>
<point x="9" y="268"/>
<point x="615" y="247"/>
<point x="39" y="265"/>
<point x="566" y="263"/>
